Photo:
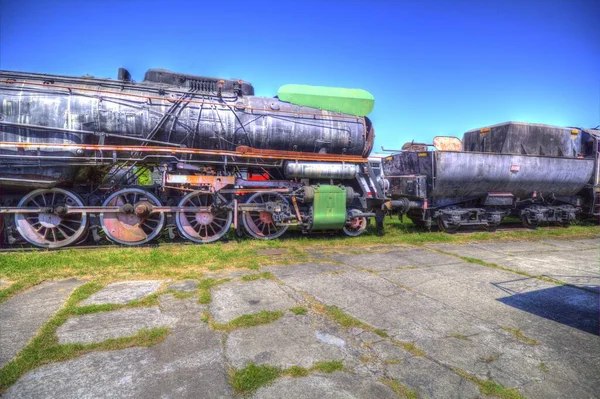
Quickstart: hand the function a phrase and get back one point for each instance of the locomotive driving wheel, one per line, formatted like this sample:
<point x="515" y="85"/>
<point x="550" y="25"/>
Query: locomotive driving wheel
<point x="260" y="224"/>
<point x="49" y="228"/>
<point x="206" y="226"/>
<point x="134" y="224"/>
<point x="354" y="227"/>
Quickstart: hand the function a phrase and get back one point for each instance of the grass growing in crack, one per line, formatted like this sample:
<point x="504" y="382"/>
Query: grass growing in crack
<point x="328" y="367"/>
<point x="505" y="269"/>
<point x="400" y="389"/>
<point x="491" y="387"/>
<point x="410" y="347"/>
<point x="459" y="336"/>
<point x="339" y="316"/>
<point x="490" y="358"/>
<point x="252" y="377"/>
<point x="204" y="287"/>
<point x="258" y="276"/>
<point x="44" y="348"/>
<point x="297" y="371"/>
<point x="299" y="310"/>
<point x="245" y="321"/>
<point x="518" y="334"/>
<point x="543" y="367"/>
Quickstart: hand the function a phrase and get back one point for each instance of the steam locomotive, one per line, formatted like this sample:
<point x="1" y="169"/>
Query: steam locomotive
<point x="182" y="154"/>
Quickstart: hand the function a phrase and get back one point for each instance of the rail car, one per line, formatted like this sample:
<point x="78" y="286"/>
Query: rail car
<point x="83" y="158"/>
<point x="538" y="173"/>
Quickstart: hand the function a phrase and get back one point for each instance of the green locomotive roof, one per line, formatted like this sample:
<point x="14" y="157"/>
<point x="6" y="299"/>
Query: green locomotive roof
<point x="347" y="101"/>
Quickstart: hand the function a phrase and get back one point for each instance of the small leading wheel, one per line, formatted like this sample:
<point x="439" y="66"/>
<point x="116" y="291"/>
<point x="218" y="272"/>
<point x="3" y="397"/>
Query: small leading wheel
<point x="134" y="225"/>
<point x="202" y="227"/>
<point x="354" y="227"/>
<point x="260" y="224"/>
<point x="51" y="229"/>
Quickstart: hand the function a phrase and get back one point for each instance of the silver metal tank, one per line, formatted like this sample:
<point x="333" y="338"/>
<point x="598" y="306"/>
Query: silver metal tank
<point x="464" y="174"/>
<point x="320" y="170"/>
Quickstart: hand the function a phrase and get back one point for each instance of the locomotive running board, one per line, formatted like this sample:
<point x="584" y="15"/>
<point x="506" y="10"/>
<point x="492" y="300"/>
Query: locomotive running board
<point x="241" y="152"/>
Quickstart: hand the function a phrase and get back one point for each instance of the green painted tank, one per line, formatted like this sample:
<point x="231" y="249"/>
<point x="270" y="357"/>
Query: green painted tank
<point x="329" y="209"/>
<point x="347" y="101"/>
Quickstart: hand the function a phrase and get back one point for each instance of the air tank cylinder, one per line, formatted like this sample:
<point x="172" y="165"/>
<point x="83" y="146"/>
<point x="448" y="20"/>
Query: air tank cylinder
<point x="321" y="170"/>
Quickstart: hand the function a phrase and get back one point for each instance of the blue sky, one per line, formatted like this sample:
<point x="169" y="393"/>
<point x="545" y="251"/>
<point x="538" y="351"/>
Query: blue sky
<point x="434" y="67"/>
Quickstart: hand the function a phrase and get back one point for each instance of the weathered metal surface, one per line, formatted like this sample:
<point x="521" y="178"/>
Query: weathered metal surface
<point x="192" y="118"/>
<point x="524" y="139"/>
<point x="242" y="152"/>
<point x="444" y="143"/>
<point x="217" y="182"/>
<point x="321" y="170"/>
<point x="459" y="174"/>
<point x="466" y="174"/>
<point x="131" y="228"/>
<point x="45" y="228"/>
<point x="329" y="208"/>
<point x="205" y="226"/>
<point x="261" y="223"/>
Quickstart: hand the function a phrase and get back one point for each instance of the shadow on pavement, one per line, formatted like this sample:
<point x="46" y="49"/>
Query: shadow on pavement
<point x="572" y="306"/>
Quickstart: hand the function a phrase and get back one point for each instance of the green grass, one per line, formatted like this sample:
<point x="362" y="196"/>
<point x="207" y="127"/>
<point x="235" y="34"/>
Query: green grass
<point x="247" y="320"/>
<point x="400" y="389"/>
<point x="192" y="261"/>
<point x="543" y="367"/>
<point x="258" y="276"/>
<point x="297" y="371"/>
<point x="299" y="310"/>
<point x="328" y="367"/>
<point x="204" y="287"/>
<point x="252" y="377"/>
<point x="44" y="347"/>
<point x="410" y="347"/>
<point x="490" y="387"/>
<point x="518" y="334"/>
<point x="247" y="380"/>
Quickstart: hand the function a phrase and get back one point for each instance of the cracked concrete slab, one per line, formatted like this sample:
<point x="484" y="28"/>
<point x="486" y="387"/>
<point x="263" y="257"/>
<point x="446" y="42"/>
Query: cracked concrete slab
<point x="97" y="327"/>
<point x="184" y="286"/>
<point x="188" y="364"/>
<point x="235" y="299"/>
<point x="23" y="315"/>
<point x="123" y="292"/>
<point x="407" y="258"/>
<point x="289" y="341"/>
<point x="339" y="385"/>
<point x="432" y="380"/>
<point x="570" y="245"/>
